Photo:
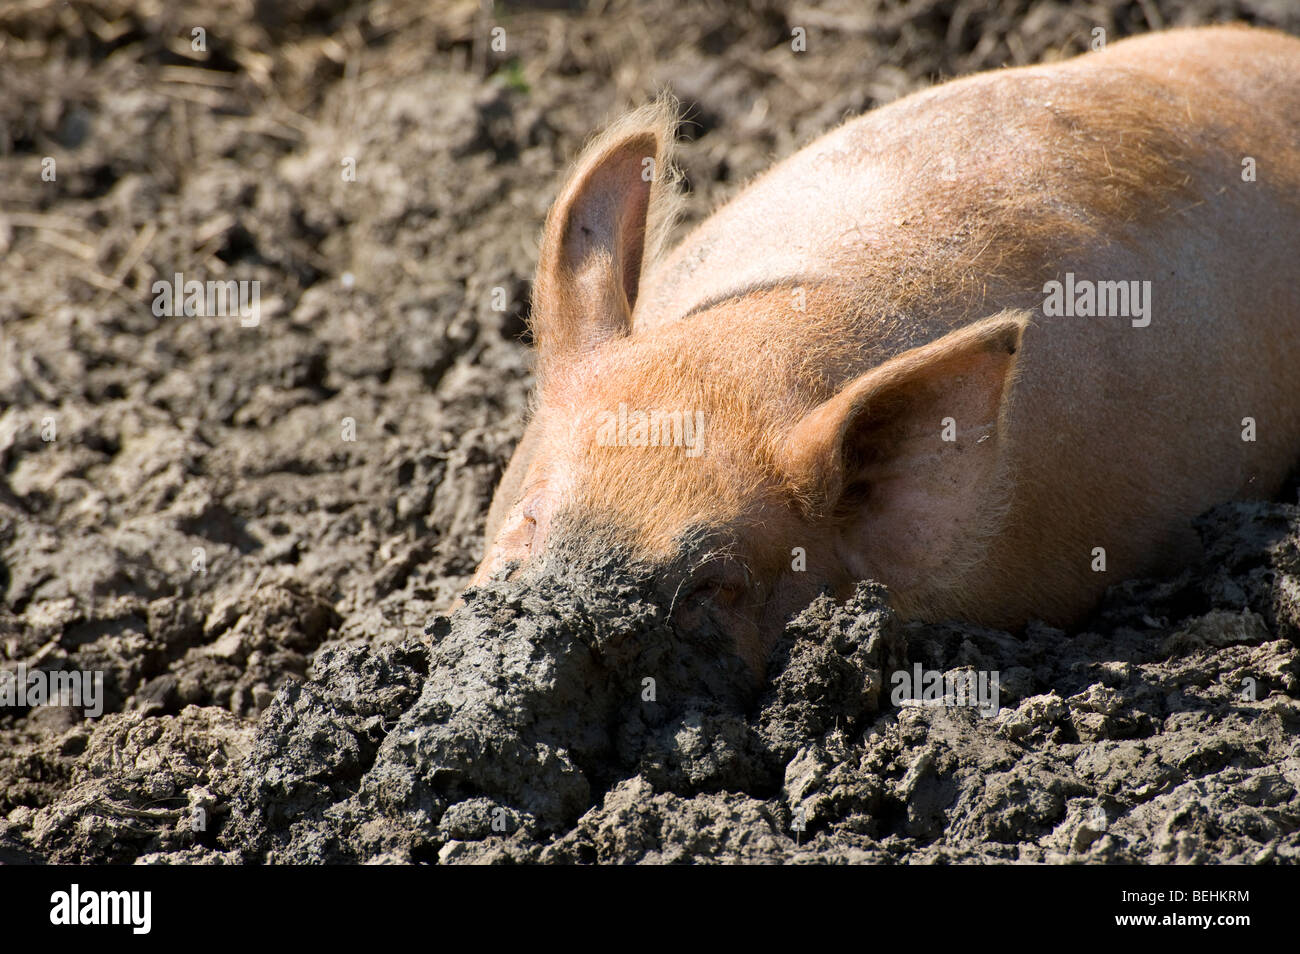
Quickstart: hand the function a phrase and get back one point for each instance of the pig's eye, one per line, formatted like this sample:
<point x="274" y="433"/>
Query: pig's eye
<point x="719" y="594"/>
<point x="720" y="590"/>
<point x="721" y="579"/>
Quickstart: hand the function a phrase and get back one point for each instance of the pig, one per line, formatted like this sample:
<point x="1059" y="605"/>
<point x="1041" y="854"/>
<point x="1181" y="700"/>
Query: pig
<point x="994" y="345"/>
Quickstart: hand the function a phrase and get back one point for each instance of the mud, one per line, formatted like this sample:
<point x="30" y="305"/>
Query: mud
<point x="264" y="594"/>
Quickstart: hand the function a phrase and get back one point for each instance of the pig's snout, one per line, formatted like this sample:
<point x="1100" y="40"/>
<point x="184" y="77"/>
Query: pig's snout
<point x="520" y="537"/>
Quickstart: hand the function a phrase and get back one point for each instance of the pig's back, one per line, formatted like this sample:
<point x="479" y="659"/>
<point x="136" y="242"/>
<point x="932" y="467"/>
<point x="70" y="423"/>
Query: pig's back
<point x="910" y="188"/>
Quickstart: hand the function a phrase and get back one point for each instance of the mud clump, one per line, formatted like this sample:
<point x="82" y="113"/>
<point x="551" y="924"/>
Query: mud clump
<point x="136" y="785"/>
<point x="540" y="697"/>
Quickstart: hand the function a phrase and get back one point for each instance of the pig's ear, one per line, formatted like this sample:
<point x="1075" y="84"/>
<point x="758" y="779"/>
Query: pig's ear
<point x="603" y="229"/>
<point x="908" y="456"/>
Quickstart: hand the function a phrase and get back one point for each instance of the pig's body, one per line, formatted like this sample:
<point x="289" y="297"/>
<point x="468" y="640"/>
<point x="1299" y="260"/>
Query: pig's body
<point x="927" y="217"/>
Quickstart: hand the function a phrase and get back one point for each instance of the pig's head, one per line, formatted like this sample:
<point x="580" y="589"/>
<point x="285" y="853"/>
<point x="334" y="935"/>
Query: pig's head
<point x="744" y="466"/>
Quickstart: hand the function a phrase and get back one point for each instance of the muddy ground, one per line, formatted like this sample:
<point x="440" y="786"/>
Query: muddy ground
<point x="252" y="531"/>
